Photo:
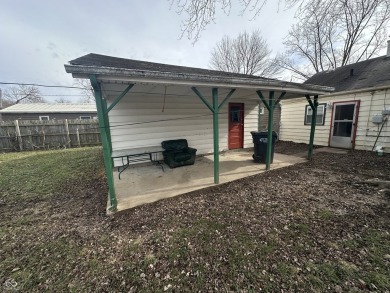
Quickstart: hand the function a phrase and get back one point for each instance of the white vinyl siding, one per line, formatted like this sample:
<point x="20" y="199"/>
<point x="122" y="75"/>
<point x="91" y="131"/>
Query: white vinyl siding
<point x="293" y="128"/>
<point x="141" y="119"/>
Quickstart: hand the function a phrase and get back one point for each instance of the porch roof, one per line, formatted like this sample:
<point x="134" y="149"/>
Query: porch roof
<point x="108" y="68"/>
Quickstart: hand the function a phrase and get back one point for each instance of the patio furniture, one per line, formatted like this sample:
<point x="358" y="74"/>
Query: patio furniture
<point x="137" y="155"/>
<point x="177" y="153"/>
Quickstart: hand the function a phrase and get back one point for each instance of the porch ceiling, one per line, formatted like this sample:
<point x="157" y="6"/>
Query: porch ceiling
<point x="111" y="90"/>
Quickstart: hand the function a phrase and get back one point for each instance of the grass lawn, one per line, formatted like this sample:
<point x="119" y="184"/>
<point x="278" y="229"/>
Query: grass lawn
<point x="314" y="227"/>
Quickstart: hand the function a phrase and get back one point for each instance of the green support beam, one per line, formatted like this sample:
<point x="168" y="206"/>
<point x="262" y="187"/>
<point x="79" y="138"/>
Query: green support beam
<point x="260" y="94"/>
<point x="105" y="136"/>
<point x="270" y="124"/>
<point x="216" y="134"/>
<point x="116" y="101"/>
<point x="214" y="108"/>
<point x="107" y="124"/>
<point x="313" y="105"/>
<point x="204" y="100"/>
<point x="270" y="105"/>
<point x="227" y="98"/>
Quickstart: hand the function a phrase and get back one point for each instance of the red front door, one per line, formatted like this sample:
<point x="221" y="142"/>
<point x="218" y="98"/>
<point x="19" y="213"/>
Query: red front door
<point x="236" y="126"/>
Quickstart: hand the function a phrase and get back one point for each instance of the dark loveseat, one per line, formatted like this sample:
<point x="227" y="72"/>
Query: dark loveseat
<point x="177" y="153"/>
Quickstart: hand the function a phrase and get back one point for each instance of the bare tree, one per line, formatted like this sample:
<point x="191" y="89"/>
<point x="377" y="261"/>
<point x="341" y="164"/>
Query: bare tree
<point x="86" y="90"/>
<point x="63" y="100"/>
<point x="334" y="33"/>
<point x="200" y="13"/>
<point x="247" y="54"/>
<point x="22" y="94"/>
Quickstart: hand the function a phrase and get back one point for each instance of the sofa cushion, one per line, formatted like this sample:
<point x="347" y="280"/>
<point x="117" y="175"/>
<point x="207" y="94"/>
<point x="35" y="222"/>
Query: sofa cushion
<point x="182" y="157"/>
<point x="175" y="144"/>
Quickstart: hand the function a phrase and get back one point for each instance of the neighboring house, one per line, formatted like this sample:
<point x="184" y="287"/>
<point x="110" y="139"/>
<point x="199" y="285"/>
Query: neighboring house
<point x="47" y="111"/>
<point x="355" y="116"/>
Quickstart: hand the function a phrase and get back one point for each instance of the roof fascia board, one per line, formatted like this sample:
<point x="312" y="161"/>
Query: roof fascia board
<point x="351" y="92"/>
<point x="357" y="91"/>
<point x="216" y="84"/>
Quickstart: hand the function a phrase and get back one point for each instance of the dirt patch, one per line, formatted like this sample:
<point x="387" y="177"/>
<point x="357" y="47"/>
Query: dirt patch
<point x="313" y="227"/>
<point x="292" y="148"/>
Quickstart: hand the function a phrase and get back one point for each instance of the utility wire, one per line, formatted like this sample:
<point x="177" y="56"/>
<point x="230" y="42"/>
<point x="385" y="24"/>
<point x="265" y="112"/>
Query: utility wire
<point x="59" y="95"/>
<point x="43" y="85"/>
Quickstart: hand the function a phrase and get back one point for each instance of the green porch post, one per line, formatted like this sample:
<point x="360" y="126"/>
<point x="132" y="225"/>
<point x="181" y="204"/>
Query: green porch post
<point x="107" y="123"/>
<point x="214" y="108"/>
<point x="313" y="106"/>
<point x="270" y="124"/>
<point x="216" y="134"/>
<point x="104" y="133"/>
<point x="270" y="105"/>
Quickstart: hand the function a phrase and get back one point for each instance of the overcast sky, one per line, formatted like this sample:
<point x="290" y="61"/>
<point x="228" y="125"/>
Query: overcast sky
<point x="38" y="37"/>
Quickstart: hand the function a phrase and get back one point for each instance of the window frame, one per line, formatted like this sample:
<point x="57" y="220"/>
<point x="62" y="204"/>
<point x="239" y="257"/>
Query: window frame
<point x="323" y="115"/>
<point x="85" y="117"/>
<point x="261" y="110"/>
<point x="45" y="116"/>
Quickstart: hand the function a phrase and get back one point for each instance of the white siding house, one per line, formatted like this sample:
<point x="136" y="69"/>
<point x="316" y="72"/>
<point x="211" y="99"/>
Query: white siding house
<point x="363" y="90"/>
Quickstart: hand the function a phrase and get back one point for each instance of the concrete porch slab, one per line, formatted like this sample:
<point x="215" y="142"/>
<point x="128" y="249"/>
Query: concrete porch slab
<point x="148" y="183"/>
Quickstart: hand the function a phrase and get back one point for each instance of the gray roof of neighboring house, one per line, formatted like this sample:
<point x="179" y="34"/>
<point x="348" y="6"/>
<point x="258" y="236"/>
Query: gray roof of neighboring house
<point x="370" y="73"/>
<point x="106" y="67"/>
<point x="50" y="108"/>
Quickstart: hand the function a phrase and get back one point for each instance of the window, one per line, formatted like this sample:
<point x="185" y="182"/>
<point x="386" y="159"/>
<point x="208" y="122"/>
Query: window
<point x="85" y="117"/>
<point x="320" y="114"/>
<point x="235" y="114"/>
<point x="43" y="118"/>
<point x="261" y="110"/>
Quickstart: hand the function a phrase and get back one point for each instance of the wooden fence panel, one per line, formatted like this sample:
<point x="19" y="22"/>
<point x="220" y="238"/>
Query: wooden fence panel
<point x="49" y="134"/>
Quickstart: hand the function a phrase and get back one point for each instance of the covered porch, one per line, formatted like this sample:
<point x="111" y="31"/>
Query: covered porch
<point x="127" y="88"/>
<point x="147" y="183"/>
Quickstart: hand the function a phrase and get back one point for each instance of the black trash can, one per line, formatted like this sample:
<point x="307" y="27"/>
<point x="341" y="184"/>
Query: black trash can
<point x="260" y="139"/>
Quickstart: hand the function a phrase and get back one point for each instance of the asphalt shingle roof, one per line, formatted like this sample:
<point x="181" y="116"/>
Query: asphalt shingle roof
<point x="115" y="62"/>
<point x="370" y="73"/>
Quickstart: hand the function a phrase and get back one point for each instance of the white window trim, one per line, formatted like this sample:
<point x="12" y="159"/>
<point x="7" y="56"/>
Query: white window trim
<point x="85" y="117"/>
<point x="320" y="112"/>
<point x="43" y="118"/>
